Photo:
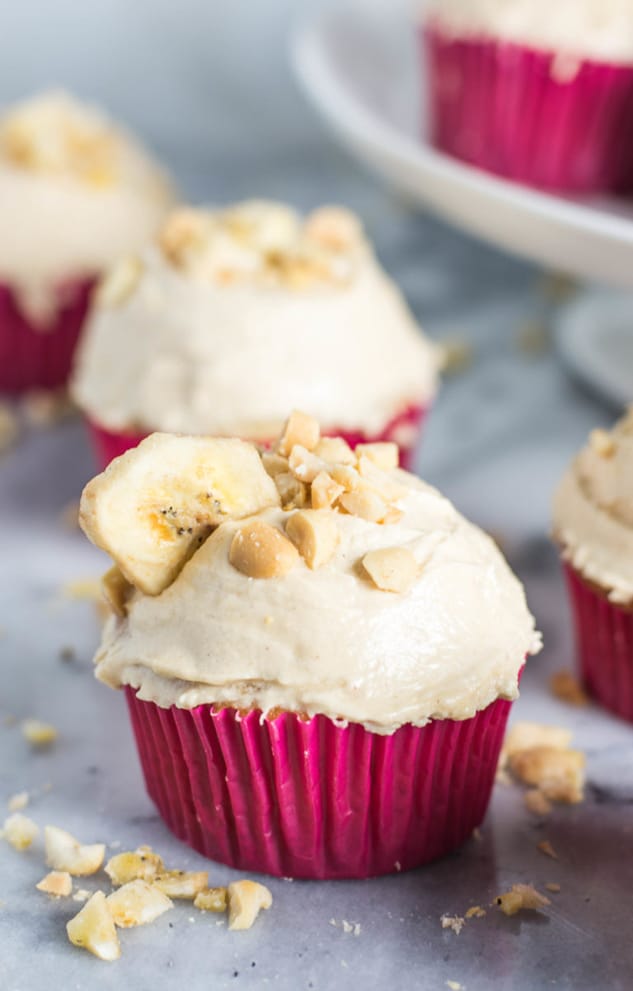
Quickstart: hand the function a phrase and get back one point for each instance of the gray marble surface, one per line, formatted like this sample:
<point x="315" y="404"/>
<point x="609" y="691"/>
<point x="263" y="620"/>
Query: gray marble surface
<point x="497" y="441"/>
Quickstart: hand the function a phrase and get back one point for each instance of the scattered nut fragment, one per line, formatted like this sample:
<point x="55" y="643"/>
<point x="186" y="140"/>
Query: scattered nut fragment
<point x="566" y="687"/>
<point x="18" y="802"/>
<point x="19" y="831"/>
<point x="384" y="454"/>
<point x="246" y="898"/>
<point x="346" y="476"/>
<point x="392" y="569"/>
<point x="315" y="535"/>
<point x="521" y="897"/>
<point x="274" y="463"/>
<point x="137" y="903"/>
<point x="553" y="886"/>
<point x="304" y="465"/>
<point x="365" y="504"/>
<point x="116" y="590"/>
<point x="324" y="491"/>
<point x="120" y="282"/>
<point x="454" y="922"/>
<point x="211" y="900"/>
<point x="37" y="733"/>
<point x="56" y="883"/>
<point x="299" y="430"/>
<point x="475" y="912"/>
<point x="133" y="865"/>
<point x="536" y="802"/>
<point x="182" y="884"/>
<point x="335" y="450"/>
<point x="546" y="847"/>
<point x="559" y="774"/>
<point x="81" y="895"/>
<point x="523" y="735"/>
<point x="65" y="853"/>
<point x="292" y="493"/>
<point x="602" y="443"/>
<point x="334" y="227"/>
<point x="259" y="550"/>
<point x="93" y="929"/>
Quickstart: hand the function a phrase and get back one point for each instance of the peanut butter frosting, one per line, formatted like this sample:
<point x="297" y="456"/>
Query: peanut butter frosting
<point x="598" y="29"/>
<point x="593" y="510"/>
<point x="235" y="316"/>
<point x="359" y="592"/>
<point x="75" y="193"/>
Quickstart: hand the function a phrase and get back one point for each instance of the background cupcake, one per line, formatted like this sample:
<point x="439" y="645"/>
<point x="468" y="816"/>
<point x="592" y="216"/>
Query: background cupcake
<point x="318" y="673"/>
<point x="593" y="525"/>
<point x="75" y="193"/>
<point x="235" y="316"/>
<point x="536" y="91"/>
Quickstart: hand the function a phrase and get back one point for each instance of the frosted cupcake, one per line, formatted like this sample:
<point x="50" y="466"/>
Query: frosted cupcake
<point x="536" y="91"/>
<point x="234" y="316"/>
<point x="319" y="653"/>
<point x="593" y="526"/>
<point x="75" y="193"/>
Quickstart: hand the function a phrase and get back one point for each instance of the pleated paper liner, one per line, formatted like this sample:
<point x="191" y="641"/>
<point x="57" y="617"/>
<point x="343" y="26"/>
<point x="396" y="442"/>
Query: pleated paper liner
<point x="540" y="118"/>
<point x="403" y="429"/>
<point x="36" y="356"/>
<point x="604" y="644"/>
<point x="310" y="798"/>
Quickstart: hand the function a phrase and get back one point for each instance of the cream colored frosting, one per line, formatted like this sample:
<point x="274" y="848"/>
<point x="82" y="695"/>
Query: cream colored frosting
<point x="260" y="315"/>
<point x="329" y="641"/>
<point x="599" y="29"/>
<point x="75" y="193"/>
<point x="593" y="511"/>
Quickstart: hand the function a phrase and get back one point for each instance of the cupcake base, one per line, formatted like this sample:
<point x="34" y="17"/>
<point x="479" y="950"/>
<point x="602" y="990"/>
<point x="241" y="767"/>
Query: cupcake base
<point x="604" y="644"/>
<point x="40" y="357"/>
<point x="548" y="120"/>
<point x="404" y="430"/>
<point x="312" y="799"/>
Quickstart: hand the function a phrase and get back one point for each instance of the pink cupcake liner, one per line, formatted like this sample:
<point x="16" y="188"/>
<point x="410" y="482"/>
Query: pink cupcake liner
<point x="509" y="109"/>
<point x="33" y="357"/>
<point x="312" y="799"/>
<point x="404" y="429"/>
<point x="604" y="645"/>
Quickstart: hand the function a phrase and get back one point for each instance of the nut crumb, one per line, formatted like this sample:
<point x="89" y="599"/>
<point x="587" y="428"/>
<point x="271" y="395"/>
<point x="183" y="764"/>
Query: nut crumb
<point x="19" y="831"/>
<point x="391" y="569"/>
<point x="559" y="774"/>
<point x="18" y="802"/>
<point x="81" y="895"/>
<point x="65" y="853"/>
<point x="454" y="985"/>
<point x="211" y="900"/>
<point x="93" y="929"/>
<point x="536" y="802"/>
<point x="37" y="733"/>
<point x="59" y="884"/>
<point x="259" y="550"/>
<point x="566" y="687"/>
<point x="521" y="897"/>
<point x="182" y="884"/>
<point x="454" y="922"/>
<point x="546" y="847"/>
<point x="475" y="912"/>
<point x="133" y="865"/>
<point x="137" y="903"/>
<point x="456" y="354"/>
<point x="246" y="898"/>
<point x="553" y="886"/>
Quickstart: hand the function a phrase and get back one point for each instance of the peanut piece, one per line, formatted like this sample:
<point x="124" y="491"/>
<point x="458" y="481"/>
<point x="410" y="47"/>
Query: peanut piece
<point x="315" y="535"/>
<point x="65" y="853"/>
<point x="519" y="898"/>
<point x="56" y="883"/>
<point x="392" y="569"/>
<point x="304" y="465"/>
<point x="259" y="550"/>
<point x="137" y="903"/>
<point x="93" y="929"/>
<point x="19" y="831"/>
<point x="182" y="884"/>
<point x="292" y="492"/>
<point x="37" y="733"/>
<point x="559" y="774"/>
<point x="384" y="454"/>
<point x="365" y="504"/>
<point x="142" y="864"/>
<point x="325" y="491"/>
<point x="274" y="464"/>
<point x="335" y="450"/>
<point x="246" y="898"/>
<point x="211" y="900"/>
<point x="300" y="428"/>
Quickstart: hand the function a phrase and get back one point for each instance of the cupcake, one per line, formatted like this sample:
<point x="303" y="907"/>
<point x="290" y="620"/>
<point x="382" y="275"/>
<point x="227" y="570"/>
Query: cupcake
<point x="318" y="652"/>
<point x="539" y="92"/>
<point x="593" y="526"/>
<point x="75" y="193"/>
<point x="233" y="317"/>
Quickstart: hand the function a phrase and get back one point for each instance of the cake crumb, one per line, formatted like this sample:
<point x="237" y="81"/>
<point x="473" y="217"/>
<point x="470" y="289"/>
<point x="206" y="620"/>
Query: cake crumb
<point x="18" y="801"/>
<point x="521" y="897"/>
<point x="546" y="847"/>
<point x="553" y="886"/>
<point x="536" y="802"/>
<point x="454" y="922"/>
<point x="565" y="686"/>
<point x="475" y="912"/>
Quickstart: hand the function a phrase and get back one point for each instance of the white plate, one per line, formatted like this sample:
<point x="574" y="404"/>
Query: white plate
<point x="361" y="70"/>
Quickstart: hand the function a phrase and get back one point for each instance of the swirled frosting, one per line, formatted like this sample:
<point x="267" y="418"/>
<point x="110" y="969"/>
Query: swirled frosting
<point x="235" y="316"/>
<point x="598" y="29"/>
<point x="329" y="640"/>
<point x="593" y="511"/>
<point x="75" y="193"/>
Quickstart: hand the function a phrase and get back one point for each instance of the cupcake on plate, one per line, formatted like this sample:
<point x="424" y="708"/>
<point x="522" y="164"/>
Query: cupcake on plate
<point x="318" y="652"/>
<point x="539" y="92"/>
<point x="593" y="526"/>
<point x="234" y="316"/>
<point x="75" y="193"/>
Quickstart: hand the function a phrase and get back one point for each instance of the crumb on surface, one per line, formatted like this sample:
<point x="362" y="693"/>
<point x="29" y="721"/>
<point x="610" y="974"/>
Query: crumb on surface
<point x="565" y="686"/>
<point x="59" y="884"/>
<point x="553" y="886"/>
<point x="475" y="912"/>
<point x="38" y="733"/>
<point x="546" y="847"/>
<point x="521" y="897"/>
<point x="454" y="922"/>
<point x="19" y="831"/>
<point x="536" y="802"/>
<point x="18" y="801"/>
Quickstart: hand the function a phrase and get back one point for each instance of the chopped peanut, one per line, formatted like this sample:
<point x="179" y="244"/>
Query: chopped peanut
<point x="475" y="912"/>
<point x="246" y="898"/>
<point x="18" y="802"/>
<point x="259" y="550"/>
<point x="365" y="504"/>
<point x="559" y="774"/>
<point x="565" y="686"/>
<point x="299" y="430"/>
<point x="325" y="491"/>
<point x="546" y="847"/>
<point x="454" y="922"/>
<point x="315" y="535"/>
<point x="274" y="464"/>
<point x="37" y="733"/>
<point x="522" y="736"/>
<point x="292" y="493"/>
<point x="519" y="898"/>
<point x="182" y="884"/>
<point x="384" y="454"/>
<point x="137" y="903"/>
<point x="141" y="864"/>
<point x="211" y="900"/>
<point x="56" y="883"/>
<point x="304" y="465"/>
<point x="19" y="831"/>
<point x="65" y="853"/>
<point x="93" y="929"/>
<point x="335" y="450"/>
<point x="392" y="569"/>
